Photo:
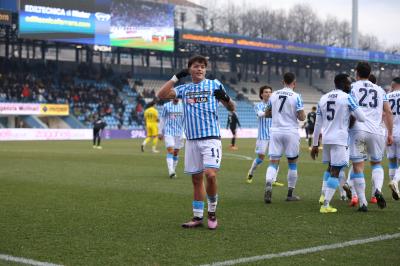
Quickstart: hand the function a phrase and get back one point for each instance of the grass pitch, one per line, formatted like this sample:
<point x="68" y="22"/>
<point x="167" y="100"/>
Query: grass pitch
<point x="66" y="203"/>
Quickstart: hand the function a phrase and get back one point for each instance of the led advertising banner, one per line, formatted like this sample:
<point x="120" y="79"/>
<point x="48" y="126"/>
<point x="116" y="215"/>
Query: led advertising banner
<point x="278" y="46"/>
<point x="123" y="23"/>
<point x="5" y="17"/>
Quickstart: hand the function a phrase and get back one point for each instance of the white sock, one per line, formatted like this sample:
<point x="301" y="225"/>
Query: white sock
<point x="271" y="173"/>
<point x="359" y="185"/>
<point x="331" y="184"/>
<point x="377" y="177"/>
<point x="212" y="202"/>
<point x="175" y="159"/>
<point x="257" y="161"/>
<point x="276" y="175"/>
<point x="396" y="177"/>
<point x="342" y="180"/>
<point x="324" y="180"/>
<point x="170" y="163"/>
<point x="292" y="175"/>
<point x="198" y="208"/>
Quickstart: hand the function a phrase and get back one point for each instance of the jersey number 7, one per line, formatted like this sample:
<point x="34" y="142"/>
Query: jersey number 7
<point x="283" y="100"/>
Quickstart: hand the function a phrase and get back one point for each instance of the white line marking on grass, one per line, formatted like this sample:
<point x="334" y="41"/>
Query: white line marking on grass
<point x="238" y="156"/>
<point x="26" y="261"/>
<point x="305" y="250"/>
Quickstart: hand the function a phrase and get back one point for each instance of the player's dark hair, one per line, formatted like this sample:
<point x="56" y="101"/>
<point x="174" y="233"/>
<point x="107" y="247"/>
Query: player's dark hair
<point x="197" y="59"/>
<point x="341" y="80"/>
<point x="265" y="87"/>
<point x="314" y="108"/>
<point x="289" y="77"/>
<point x="363" y="70"/>
<point x="372" y="78"/>
<point x="396" y="80"/>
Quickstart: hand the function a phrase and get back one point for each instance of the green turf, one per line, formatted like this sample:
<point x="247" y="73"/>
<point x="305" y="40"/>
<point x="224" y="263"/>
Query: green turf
<point x="66" y="203"/>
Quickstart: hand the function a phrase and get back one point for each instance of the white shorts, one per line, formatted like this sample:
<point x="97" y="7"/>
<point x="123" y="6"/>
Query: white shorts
<point x="284" y="143"/>
<point x="364" y="145"/>
<point x="336" y="155"/>
<point x="202" y="154"/>
<point x="261" y="146"/>
<point x="393" y="151"/>
<point x="176" y="142"/>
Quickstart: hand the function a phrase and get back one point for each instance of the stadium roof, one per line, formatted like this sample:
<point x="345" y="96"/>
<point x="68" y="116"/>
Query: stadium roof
<point x="180" y="3"/>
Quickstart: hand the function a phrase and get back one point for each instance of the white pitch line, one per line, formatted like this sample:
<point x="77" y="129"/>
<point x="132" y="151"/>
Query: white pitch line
<point x="238" y="156"/>
<point x="26" y="261"/>
<point x="305" y="250"/>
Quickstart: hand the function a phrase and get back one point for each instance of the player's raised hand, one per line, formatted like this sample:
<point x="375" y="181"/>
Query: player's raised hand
<point x="183" y="73"/>
<point x="314" y="152"/>
<point x="221" y="95"/>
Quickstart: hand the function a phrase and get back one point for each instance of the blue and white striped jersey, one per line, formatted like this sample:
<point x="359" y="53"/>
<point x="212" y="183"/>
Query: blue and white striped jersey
<point x="171" y="123"/>
<point x="333" y="113"/>
<point x="200" y="108"/>
<point x="264" y="123"/>
<point x="285" y="104"/>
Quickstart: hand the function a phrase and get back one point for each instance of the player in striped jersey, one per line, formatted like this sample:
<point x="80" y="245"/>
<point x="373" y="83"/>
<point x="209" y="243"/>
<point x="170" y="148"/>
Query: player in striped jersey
<point x="393" y="151"/>
<point x="264" y="123"/>
<point x="368" y="138"/>
<point x="203" y="151"/>
<point x="333" y="117"/>
<point x="171" y="129"/>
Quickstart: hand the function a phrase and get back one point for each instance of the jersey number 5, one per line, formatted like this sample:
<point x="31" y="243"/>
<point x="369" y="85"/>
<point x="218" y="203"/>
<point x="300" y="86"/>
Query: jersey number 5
<point x="330" y="110"/>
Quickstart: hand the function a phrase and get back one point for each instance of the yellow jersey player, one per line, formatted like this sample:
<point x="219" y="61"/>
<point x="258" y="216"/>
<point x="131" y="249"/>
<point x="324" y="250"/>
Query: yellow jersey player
<point x="151" y="122"/>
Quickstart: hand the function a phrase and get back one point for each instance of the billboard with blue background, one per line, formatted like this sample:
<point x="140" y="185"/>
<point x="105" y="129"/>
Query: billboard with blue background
<point x="277" y="46"/>
<point x="122" y="23"/>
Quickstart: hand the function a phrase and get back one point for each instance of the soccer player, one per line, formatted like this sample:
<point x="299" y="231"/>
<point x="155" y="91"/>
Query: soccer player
<point x="98" y="127"/>
<point x="233" y="123"/>
<point x="368" y="138"/>
<point x="151" y="122"/>
<point x="286" y="107"/>
<point x="333" y="118"/>
<point x="171" y="129"/>
<point x="310" y="125"/>
<point x="203" y="151"/>
<point x="264" y="124"/>
<point x="393" y="151"/>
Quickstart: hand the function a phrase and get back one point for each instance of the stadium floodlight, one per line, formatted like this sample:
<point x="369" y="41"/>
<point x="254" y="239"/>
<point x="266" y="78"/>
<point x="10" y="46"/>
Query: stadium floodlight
<point x="382" y="68"/>
<point x="294" y="60"/>
<point x="182" y="50"/>
<point x="79" y="47"/>
<point x="308" y="66"/>
<point x="338" y="64"/>
<point x="264" y="62"/>
<point x="352" y="70"/>
<point x="238" y="55"/>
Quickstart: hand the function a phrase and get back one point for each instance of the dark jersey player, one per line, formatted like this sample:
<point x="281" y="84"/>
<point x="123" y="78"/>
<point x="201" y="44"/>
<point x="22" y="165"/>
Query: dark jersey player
<point x="98" y="127"/>
<point x="233" y="123"/>
<point x="311" y="117"/>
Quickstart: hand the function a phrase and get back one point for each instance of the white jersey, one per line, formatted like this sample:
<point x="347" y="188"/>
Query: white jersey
<point x="370" y="98"/>
<point x="394" y="101"/>
<point x="333" y="112"/>
<point x="285" y="104"/>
